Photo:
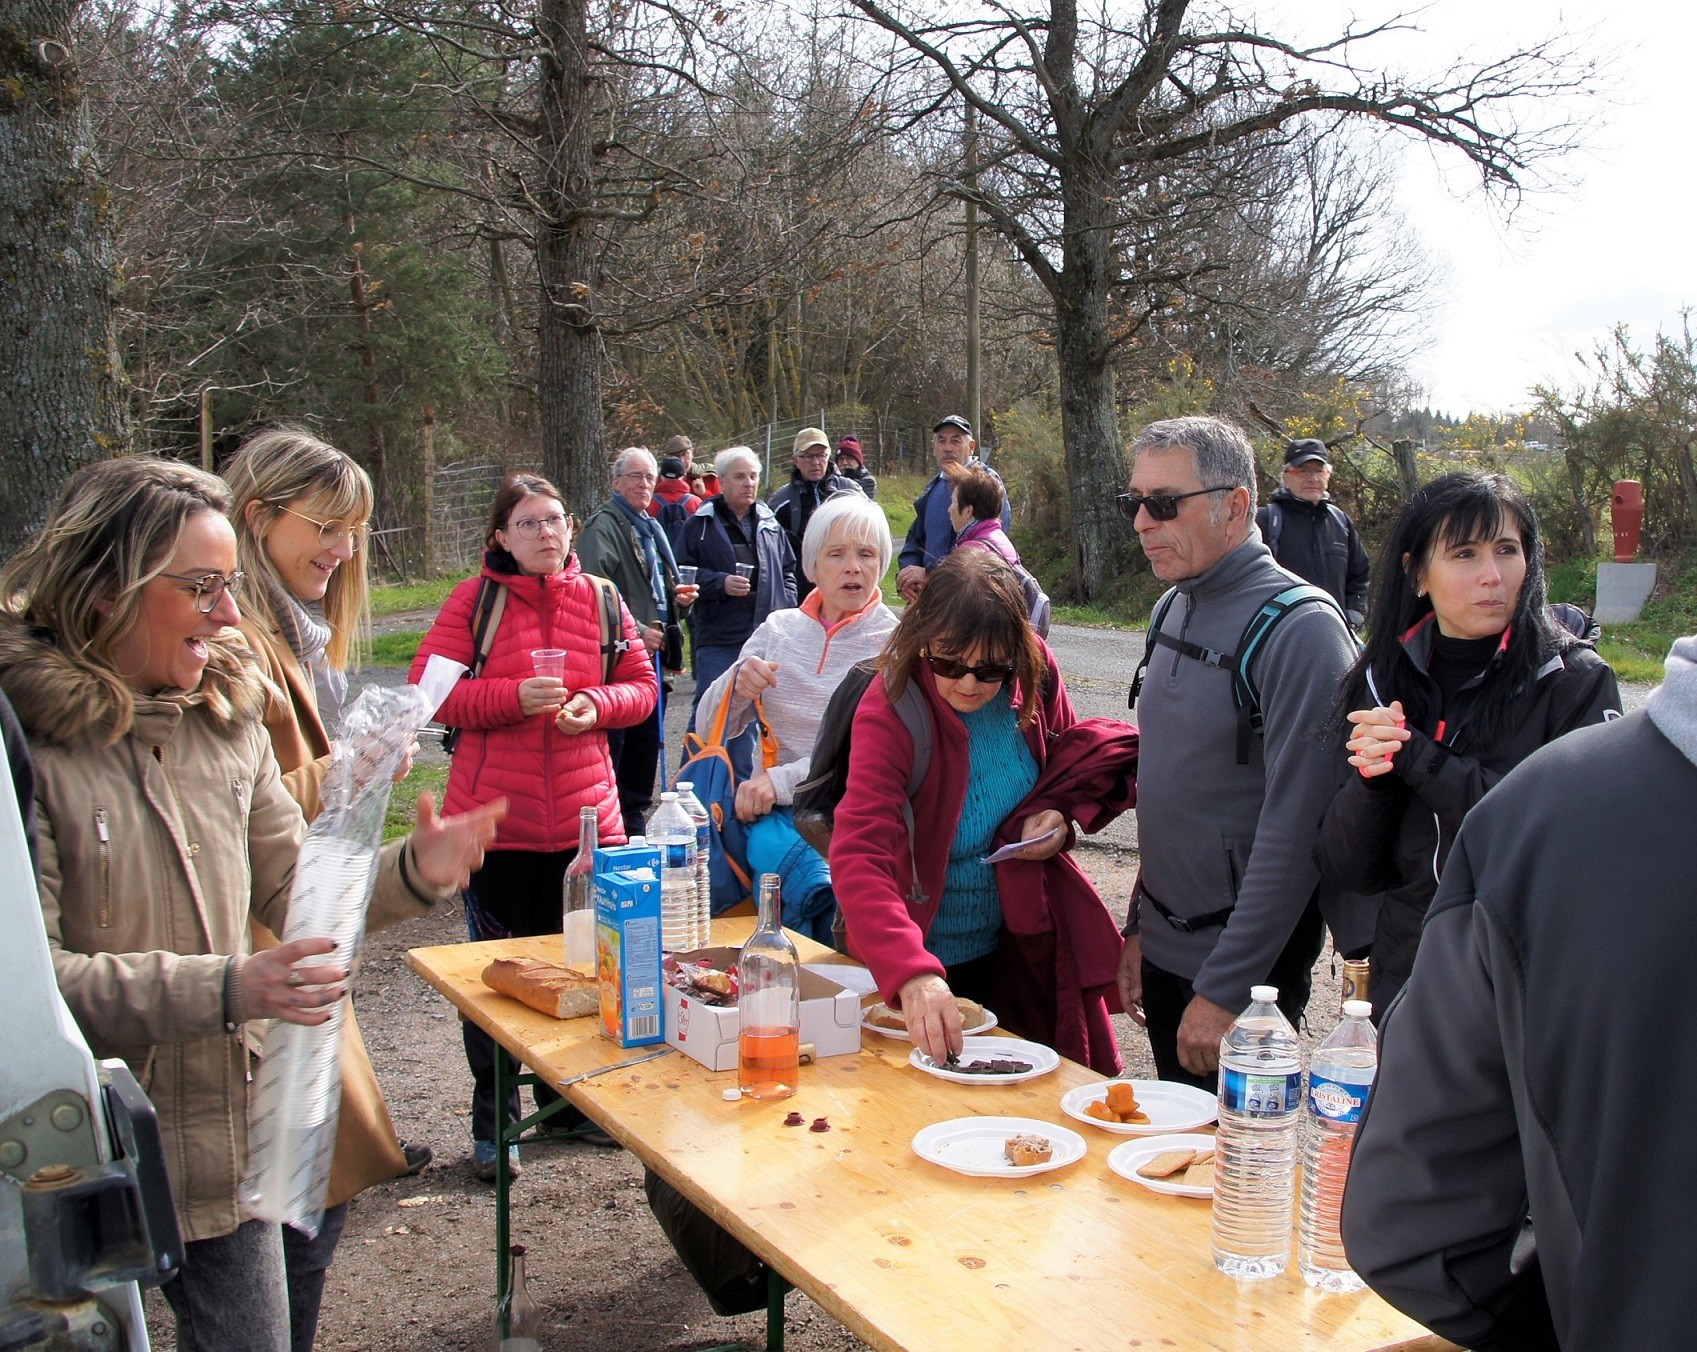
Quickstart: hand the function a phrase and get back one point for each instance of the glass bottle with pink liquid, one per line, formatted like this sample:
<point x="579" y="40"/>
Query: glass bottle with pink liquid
<point x="769" y="980"/>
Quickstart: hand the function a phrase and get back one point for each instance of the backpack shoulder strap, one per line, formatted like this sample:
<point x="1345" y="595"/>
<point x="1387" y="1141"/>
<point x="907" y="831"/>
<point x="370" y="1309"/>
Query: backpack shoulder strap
<point x="485" y="620"/>
<point x="1275" y="526"/>
<point x="1246" y="693"/>
<point x="612" y="631"/>
<point x="916" y="718"/>
<point x="1162" y="607"/>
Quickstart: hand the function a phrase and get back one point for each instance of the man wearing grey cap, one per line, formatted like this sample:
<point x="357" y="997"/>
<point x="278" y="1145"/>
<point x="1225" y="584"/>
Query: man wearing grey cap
<point x="932" y="534"/>
<point x="812" y="481"/>
<point x="1310" y="534"/>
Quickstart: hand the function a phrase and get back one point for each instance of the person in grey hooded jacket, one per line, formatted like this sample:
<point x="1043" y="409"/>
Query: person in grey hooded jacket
<point x="1522" y="1177"/>
<point x="1226" y="892"/>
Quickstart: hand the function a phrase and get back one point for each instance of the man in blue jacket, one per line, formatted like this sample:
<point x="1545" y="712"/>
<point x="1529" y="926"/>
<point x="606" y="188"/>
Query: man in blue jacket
<point x="745" y="568"/>
<point x="932" y="534"/>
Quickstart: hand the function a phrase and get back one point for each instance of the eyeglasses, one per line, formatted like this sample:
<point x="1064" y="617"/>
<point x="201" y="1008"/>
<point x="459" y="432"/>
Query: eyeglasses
<point x="641" y="476"/>
<point x="208" y="587"/>
<point x="1161" y="506"/>
<point x="990" y="673"/>
<point x="331" y="534"/>
<point x="814" y="455"/>
<point x="533" y="526"/>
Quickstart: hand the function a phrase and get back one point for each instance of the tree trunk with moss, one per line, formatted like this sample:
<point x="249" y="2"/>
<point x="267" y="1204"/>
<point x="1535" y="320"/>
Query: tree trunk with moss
<point x="63" y="404"/>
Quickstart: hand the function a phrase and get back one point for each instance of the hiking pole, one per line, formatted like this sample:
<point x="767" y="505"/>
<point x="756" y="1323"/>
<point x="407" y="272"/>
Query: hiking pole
<point x="660" y="708"/>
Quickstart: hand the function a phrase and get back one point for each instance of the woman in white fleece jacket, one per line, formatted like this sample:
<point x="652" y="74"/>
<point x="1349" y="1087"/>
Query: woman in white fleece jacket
<point x="792" y="663"/>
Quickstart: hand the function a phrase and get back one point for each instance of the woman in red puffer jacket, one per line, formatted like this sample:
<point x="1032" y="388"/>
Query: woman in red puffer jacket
<point x="538" y="740"/>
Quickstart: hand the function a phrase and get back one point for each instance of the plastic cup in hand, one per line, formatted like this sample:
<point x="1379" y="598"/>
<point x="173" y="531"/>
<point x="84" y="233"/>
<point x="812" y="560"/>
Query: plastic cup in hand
<point x="549" y="662"/>
<point x="746" y="570"/>
<point x="686" y="574"/>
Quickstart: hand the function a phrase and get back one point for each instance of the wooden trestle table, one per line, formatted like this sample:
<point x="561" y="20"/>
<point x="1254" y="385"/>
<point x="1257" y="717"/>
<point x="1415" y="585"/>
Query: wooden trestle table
<point x="903" y="1253"/>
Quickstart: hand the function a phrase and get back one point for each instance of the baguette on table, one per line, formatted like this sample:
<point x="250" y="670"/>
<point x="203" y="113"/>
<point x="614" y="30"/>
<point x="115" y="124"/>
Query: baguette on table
<point x="563" y="992"/>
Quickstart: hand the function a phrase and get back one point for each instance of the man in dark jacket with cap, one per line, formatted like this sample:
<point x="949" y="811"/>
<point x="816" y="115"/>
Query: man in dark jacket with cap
<point x="932" y="534"/>
<point x="851" y="464"/>
<point x="812" y="481"/>
<point x="1310" y="534"/>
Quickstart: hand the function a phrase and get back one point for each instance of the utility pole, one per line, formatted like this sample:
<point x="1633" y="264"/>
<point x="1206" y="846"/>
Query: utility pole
<point x="972" y="385"/>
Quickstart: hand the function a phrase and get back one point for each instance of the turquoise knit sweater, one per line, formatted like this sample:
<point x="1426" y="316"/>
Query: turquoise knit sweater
<point x="1003" y="771"/>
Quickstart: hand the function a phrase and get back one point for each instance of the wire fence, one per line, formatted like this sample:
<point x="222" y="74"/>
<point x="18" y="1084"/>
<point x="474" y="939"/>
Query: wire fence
<point x="456" y="524"/>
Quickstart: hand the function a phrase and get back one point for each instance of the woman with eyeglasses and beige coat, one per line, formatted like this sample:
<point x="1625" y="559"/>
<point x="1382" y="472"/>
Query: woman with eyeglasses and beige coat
<point x="300" y="511"/>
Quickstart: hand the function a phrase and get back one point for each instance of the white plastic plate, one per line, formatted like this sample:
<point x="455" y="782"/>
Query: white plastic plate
<point x="1124" y="1159"/>
<point x="976" y="1145"/>
<point x="1170" y="1107"/>
<point x="1041" y="1059"/>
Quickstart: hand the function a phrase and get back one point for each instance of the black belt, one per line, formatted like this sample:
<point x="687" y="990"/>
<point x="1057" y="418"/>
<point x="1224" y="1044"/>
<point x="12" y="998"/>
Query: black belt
<point x="1212" y="920"/>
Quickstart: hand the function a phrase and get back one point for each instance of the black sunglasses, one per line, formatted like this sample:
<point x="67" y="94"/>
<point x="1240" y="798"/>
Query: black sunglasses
<point x="990" y="673"/>
<point x="1162" y="506"/>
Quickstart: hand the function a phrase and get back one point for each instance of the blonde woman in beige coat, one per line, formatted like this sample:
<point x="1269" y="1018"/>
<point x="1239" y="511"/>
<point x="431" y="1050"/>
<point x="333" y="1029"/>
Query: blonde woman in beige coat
<point x="164" y="826"/>
<point x="300" y="509"/>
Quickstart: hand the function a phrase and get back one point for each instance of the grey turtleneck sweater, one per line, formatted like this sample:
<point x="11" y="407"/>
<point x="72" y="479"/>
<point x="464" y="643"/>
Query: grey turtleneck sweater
<point x="1212" y="832"/>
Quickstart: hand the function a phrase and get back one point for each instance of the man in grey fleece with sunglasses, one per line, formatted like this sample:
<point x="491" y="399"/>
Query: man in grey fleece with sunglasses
<point x="1226" y="819"/>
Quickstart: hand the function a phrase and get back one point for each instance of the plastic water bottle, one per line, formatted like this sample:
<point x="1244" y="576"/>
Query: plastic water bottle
<point x="1339" y="1077"/>
<point x="671" y="831"/>
<point x="1255" y="1148"/>
<point x="703" y="856"/>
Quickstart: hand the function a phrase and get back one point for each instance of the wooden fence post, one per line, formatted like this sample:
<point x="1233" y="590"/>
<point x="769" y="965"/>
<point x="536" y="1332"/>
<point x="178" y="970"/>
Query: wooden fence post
<point x="206" y="428"/>
<point x="429" y="491"/>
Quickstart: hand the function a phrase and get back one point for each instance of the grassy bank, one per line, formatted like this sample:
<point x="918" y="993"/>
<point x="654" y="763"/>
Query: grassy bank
<point x="1636" y="651"/>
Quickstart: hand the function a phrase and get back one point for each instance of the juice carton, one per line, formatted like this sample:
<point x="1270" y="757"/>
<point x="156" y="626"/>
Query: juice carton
<point x="627" y="943"/>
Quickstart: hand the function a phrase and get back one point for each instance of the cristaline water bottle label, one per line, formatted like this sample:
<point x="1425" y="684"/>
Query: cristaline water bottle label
<point x="1335" y="1101"/>
<point x="1260" y="1095"/>
<point x="675" y="854"/>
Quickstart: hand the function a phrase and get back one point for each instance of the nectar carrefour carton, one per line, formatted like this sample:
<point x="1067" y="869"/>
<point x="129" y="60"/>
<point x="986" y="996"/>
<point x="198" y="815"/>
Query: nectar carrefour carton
<point x="627" y="943"/>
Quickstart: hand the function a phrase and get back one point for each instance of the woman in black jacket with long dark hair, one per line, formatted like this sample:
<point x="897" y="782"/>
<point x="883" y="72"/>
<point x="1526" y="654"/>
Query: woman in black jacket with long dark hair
<point x="1464" y="676"/>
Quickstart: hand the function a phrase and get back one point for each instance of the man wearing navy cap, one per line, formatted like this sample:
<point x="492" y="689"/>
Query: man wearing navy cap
<point x="1310" y="534"/>
<point x="932" y="534"/>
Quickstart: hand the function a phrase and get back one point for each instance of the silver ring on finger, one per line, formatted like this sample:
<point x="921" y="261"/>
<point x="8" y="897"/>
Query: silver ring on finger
<point x="296" y="980"/>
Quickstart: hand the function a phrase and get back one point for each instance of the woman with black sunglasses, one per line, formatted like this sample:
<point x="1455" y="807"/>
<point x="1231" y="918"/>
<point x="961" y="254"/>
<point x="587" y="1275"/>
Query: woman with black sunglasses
<point x="924" y="909"/>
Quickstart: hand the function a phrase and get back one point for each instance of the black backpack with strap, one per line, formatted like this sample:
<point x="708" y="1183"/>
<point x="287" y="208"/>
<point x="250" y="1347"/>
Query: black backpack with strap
<point x="486" y="619"/>
<point x="1246" y="693"/>
<point x="815" y="804"/>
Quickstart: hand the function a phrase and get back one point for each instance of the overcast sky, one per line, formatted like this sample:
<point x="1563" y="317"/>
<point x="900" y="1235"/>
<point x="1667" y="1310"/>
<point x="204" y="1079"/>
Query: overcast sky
<point x="1517" y="300"/>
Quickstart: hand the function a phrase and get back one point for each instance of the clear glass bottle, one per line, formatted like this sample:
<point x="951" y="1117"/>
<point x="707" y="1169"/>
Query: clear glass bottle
<point x="518" y="1318"/>
<point x="1255" y="1146"/>
<point x="578" y="917"/>
<point x="1339" y="1079"/>
<point x="703" y="863"/>
<point x="769" y="977"/>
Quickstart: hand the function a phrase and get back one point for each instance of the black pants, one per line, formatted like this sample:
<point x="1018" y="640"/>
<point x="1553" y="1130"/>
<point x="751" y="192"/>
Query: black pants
<point x="305" y="1261"/>
<point x="516" y="893"/>
<point x="636" y="755"/>
<point x="1165" y="995"/>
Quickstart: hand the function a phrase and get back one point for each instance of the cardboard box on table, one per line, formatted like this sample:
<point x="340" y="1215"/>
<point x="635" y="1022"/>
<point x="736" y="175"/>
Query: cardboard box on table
<point x="627" y="943"/>
<point x="830" y="1016"/>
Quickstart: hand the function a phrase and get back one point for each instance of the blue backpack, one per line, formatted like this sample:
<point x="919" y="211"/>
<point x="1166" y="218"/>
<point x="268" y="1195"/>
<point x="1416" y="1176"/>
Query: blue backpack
<point x="707" y="767"/>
